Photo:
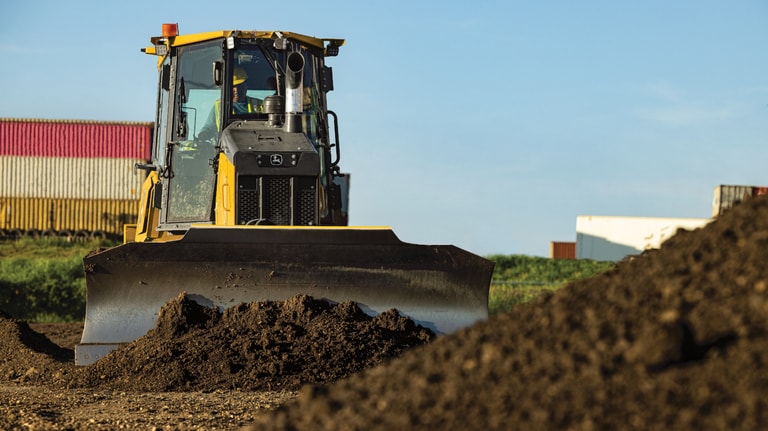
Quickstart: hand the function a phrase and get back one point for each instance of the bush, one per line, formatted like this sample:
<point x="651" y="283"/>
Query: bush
<point x="43" y="279"/>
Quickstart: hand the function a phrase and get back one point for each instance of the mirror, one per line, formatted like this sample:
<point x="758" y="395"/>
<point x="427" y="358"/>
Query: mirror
<point x="218" y="78"/>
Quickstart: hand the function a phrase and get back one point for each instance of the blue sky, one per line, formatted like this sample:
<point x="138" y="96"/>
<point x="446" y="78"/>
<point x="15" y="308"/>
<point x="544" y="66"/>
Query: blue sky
<point x="490" y="125"/>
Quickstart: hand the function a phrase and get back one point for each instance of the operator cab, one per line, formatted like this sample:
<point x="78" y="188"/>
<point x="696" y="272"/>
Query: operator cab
<point x="254" y="103"/>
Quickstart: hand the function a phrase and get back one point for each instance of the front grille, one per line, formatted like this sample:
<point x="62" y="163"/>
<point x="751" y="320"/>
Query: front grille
<point x="307" y="207"/>
<point x="248" y="209"/>
<point x="277" y="200"/>
<point x="282" y="201"/>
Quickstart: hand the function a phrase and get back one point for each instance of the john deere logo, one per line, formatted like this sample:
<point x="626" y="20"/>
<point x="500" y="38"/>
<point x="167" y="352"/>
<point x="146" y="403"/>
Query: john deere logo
<point x="276" y="159"/>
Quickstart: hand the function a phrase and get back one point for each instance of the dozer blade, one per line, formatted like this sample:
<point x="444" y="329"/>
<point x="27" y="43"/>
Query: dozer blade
<point x="440" y="287"/>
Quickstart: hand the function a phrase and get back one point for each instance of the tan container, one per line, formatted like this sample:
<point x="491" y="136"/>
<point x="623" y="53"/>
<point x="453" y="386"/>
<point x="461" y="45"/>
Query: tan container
<point x="70" y="178"/>
<point x="66" y="216"/>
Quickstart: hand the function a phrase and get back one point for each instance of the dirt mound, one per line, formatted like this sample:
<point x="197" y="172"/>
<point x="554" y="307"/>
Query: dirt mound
<point x="271" y="345"/>
<point x="198" y="369"/>
<point x="673" y="339"/>
<point x="30" y="358"/>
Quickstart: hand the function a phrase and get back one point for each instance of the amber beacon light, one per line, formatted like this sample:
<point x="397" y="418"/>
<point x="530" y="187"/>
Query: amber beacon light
<point x="170" y="30"/>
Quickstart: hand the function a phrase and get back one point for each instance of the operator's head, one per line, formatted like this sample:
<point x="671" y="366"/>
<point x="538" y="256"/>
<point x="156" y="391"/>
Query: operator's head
<point x="238" y="84"/>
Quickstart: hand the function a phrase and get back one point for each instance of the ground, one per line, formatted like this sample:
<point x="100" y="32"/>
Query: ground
<point x="676" y="338"/>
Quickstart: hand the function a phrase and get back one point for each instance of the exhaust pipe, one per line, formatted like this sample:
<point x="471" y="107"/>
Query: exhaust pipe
<point x="294" y="92"/>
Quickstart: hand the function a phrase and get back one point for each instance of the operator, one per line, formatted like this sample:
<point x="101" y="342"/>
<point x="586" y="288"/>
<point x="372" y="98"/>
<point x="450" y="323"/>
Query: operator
<point x="241" y="104"/>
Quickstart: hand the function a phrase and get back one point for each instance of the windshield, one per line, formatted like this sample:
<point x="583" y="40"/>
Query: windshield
<point x="264" y="71"/>
<point x="254" y="71"/>
<point x="250" y="80"/>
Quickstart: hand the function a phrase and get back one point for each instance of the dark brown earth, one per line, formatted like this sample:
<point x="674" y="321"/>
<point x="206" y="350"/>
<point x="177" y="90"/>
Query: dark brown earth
<point x="256" y="346"/>
<point x="673" y="339"/>
<point x="197" y="368"/>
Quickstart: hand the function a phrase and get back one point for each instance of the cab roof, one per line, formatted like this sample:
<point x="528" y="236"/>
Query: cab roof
<point x="186" y="39"/>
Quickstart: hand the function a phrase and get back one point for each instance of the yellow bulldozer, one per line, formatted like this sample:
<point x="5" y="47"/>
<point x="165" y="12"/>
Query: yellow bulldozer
<point x="245" y="201"/>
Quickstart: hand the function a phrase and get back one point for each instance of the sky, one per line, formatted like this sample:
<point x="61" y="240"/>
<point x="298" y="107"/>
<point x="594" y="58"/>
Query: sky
<point x="489" y="125"/>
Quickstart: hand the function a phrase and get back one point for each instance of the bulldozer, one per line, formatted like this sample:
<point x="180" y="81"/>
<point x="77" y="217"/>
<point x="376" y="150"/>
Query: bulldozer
<point x="244" y="200"/>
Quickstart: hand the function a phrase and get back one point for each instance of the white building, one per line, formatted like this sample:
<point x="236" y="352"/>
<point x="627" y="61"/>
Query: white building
<point x="608" y="238"/>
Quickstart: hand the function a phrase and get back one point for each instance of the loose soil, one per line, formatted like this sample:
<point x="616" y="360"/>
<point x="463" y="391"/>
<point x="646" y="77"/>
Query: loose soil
<point x="676" y="338"/>
<point x="197" y="369"/>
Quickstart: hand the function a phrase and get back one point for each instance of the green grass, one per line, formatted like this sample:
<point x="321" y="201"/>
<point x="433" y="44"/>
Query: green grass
<point x="531" y="269"/>
<point x="501" y="298"/>
<point x="519" y="279"/>
<point x="45" y="248"/>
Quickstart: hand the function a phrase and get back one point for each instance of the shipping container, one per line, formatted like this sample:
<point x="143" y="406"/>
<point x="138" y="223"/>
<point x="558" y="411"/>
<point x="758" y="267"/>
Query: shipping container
<point x="725" y="197"/>
<point x="70" y="177"/>
<point x="66" y="217"/>
<point x="562" y="250"/>
<point x="75" y="138"/>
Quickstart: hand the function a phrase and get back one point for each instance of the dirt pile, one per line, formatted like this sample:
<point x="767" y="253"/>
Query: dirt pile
<point x="274" y="345"/>
<point x="198" y="369"/>
<point x="674" y="339"/>
<point x="28" y="357"/>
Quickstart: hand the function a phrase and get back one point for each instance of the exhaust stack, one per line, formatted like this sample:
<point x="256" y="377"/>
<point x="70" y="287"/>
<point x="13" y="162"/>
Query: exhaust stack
<point x="294" y="92"/>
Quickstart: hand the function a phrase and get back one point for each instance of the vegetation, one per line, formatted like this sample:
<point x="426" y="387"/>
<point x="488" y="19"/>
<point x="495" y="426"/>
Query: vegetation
<point x="518" y="279"/>
<point x="530" y="269"/>
<point x="41" y="280"/>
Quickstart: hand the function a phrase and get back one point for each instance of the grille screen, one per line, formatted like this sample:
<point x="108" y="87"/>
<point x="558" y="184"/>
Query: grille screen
<point x="249" y="206"/>
<point x="277" y="200"/>
<point x="282" y="201"/>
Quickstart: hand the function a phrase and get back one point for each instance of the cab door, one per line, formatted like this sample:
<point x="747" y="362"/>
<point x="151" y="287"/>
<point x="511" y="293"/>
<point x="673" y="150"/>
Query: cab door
<point x="188" y="163"/>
